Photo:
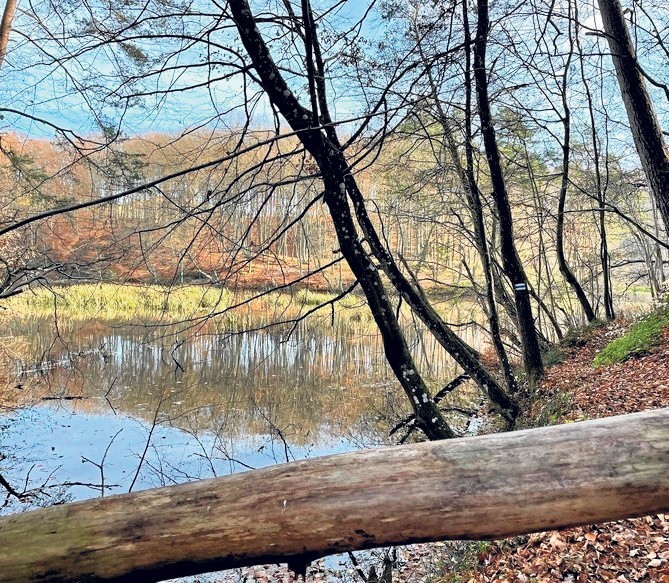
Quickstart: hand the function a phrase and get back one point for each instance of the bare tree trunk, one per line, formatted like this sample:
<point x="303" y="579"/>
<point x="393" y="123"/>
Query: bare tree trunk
<point x="333" y="170"/>
<point x="476" y="207"/>
<point x="324" y="146"/>
<point x="644" y="123"/>
<point x="6" y="27"/>
<point x="511" y="261"/>
<point x="473" y="196"/>
<point x="600" y="187"/>
<point x="658" y="267"/>
<point x="484" y="487"/>
<point x="605" y="259"/>
<point x="565" y="270"/>
<point x="472" y="192"/>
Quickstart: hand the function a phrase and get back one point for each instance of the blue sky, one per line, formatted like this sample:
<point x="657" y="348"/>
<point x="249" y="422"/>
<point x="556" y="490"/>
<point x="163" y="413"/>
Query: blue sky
<point x="49" y="91"/>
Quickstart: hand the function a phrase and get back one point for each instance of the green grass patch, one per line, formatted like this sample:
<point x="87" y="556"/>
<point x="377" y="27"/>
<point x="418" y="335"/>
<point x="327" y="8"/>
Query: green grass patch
<point x="311" y="299"/>
<point x="121" y="301"/>
<point x="640" y="338"/>
<point x="165" y="304"/>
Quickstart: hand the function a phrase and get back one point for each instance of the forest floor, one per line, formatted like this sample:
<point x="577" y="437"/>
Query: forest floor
<point x="621" y="551"/>
<point x="625" y="550"/>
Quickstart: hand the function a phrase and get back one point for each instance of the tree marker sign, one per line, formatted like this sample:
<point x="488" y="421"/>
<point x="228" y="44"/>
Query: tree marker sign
<point x="520" y="286"/>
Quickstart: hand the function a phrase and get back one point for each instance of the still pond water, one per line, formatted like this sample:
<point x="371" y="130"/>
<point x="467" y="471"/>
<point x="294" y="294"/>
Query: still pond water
<point x="112" y="408"/>
<point x="106" y="408"/>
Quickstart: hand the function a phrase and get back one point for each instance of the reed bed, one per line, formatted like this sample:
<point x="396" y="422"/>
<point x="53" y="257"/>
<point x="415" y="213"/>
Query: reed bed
<point x="172" y="304"/>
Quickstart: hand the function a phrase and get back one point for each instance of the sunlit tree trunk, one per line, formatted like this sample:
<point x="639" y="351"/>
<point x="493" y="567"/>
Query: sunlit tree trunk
<point x="643" y="121"/>
<point x="6" y="27"/>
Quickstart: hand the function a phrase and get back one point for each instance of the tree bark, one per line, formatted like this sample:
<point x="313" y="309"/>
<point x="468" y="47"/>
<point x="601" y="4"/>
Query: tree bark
<point x="565" y="270"/>
<point x="483" y="487"/>
<point x="6" y="27"/>
<point x="333" y="169"/>
<point x="511" y="262"/>
<point x="473" y="194"/>
<point x="644" y="123"/>
<point x="323" y="145"/>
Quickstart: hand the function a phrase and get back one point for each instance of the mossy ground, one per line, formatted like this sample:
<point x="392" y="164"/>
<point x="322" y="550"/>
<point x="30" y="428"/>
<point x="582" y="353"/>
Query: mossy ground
<point x="638" y="340"/>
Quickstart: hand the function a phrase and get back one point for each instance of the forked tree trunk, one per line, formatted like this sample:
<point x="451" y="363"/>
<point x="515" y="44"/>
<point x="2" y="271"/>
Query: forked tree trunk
<point x="340" y="186"/>
<point x="474" y="488"/>
<point x="565" y="270"/>
<point x="643" y="121"/>
<point x="333" y="169"/>
<point x="563" y="265"/>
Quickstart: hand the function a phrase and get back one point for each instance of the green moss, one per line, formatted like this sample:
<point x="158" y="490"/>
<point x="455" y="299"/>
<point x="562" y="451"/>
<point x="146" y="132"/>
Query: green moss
<point x="640" y="338"/>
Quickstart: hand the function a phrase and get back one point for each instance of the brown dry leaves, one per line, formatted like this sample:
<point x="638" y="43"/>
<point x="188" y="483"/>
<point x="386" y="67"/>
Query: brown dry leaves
<point x="638" y="384"/>
<point x="627" y="550"/>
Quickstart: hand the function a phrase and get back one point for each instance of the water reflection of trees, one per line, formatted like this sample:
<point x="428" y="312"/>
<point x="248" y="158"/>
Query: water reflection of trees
<point x="242" y="383"/>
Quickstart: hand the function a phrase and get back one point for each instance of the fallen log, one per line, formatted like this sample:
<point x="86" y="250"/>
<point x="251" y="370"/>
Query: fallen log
<point x="474" y="488"/>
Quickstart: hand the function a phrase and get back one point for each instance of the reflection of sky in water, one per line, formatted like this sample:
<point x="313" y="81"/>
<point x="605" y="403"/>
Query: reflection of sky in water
<point x="52" y="445"/>
<point x="60" y="445"/>
<point x="218" y="410"/>
<point x="227" y="406"/>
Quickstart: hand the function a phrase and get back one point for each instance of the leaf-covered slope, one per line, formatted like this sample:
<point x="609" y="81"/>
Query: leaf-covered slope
<point x="627" y="550"/>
